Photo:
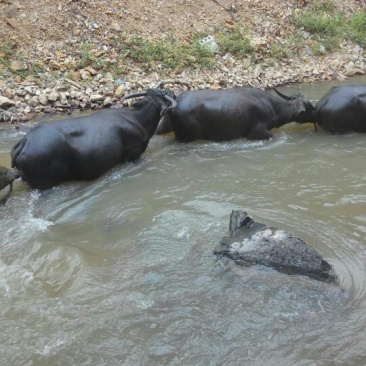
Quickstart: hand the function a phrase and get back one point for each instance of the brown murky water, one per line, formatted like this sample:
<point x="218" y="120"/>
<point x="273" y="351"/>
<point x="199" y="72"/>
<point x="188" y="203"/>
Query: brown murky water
<point x="120" y="271"/>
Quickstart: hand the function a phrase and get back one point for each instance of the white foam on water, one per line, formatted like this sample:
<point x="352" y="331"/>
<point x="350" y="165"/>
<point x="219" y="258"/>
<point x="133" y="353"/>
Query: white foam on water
<point x="20" y="210"/>
<point x="14" y="280"/>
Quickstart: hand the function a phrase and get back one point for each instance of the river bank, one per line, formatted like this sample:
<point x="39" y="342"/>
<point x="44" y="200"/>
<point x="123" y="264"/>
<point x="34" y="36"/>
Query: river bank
<point x="22" y="101"/>
<point x="48" y="73"/>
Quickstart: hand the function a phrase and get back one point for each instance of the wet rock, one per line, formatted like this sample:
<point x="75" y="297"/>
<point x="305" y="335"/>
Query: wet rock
<point x="253" y="243"/>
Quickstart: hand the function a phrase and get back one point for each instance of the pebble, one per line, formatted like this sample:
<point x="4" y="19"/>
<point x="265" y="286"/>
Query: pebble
<point x="5" y="103"/>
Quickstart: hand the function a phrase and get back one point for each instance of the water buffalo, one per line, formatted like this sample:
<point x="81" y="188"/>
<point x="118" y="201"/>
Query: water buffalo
<point x="227" y="114"/>
<point x="342" y="109"/>
<point x="253" y="243"/>
<point x="84" y="148"/>
<point x="7" y="176"/>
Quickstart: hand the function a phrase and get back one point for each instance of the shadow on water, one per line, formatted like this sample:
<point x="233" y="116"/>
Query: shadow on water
<point x="121" y="271"/>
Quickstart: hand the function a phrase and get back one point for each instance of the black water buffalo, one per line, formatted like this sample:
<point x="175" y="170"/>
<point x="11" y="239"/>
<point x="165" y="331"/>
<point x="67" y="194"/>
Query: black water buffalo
<point x="342" y="109"/>
<point x="228" y="114"/>
<point x="84" y="148"/>
<point x="7" y="177"/>
<point x="252" y="243"/>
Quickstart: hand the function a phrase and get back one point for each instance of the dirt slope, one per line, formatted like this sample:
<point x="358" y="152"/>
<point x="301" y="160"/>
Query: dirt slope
<point x="36" y="29"/>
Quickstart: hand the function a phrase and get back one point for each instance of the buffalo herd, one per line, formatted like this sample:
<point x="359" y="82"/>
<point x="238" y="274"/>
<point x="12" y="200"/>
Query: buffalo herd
<point x="84" y="148"/>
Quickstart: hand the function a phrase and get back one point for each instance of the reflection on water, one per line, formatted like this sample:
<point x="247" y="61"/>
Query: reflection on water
<point x="121" y="271"/>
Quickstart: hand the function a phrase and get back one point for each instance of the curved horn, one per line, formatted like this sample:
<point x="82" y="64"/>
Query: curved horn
<point x="283" y="95"/>
<point x="172" y="81"/>
<point x="171" y="100"/>
<point x="134" y="95"/>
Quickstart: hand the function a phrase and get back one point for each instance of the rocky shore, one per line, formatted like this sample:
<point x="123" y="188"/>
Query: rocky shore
<point x="21" y="101"/>
<point x="62" y="88"/>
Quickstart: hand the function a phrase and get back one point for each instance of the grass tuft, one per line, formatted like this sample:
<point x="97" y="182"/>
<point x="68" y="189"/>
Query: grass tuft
<point x="86" y="58"/>
<point x="234" y="41"/>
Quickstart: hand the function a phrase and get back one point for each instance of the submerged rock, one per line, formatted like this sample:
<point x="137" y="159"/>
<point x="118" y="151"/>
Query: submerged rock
<point x="252" y="243"/>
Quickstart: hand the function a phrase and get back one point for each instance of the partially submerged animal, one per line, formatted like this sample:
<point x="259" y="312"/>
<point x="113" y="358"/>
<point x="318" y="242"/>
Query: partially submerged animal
<point x="252" y="243"/>
<point x="342" y="109"/>
<point x="84" y="148"/>
<point x="7" y="177"/>
<point x="227" y="114"/>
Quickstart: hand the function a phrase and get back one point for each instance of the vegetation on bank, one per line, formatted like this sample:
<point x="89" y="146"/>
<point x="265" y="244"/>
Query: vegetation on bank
<point x="326" y="26"/>
<point x="321" y="27"/>
<point x="329" y="27"/>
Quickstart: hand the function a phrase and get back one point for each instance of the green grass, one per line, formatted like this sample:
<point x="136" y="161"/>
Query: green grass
<point x="37" y="68"/>
<point x="325" y="23"/>
<point x="323" y="6"/>
<point x="86" y="58"/>
<point x="169" y="52"/>
<point x="6" y="51"/>
<point x="234" y="41"/>
<point x="329" y="26"/>
<point x="357" y="28"/>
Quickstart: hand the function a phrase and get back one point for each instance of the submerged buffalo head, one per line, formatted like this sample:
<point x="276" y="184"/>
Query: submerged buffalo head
<point x="7" y="176"/>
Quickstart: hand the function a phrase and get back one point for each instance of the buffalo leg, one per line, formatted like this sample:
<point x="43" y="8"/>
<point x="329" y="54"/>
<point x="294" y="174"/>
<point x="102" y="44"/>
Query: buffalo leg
<point x="259" y="133"/>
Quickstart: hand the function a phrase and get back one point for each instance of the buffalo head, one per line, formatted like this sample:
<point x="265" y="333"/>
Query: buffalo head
<point x="304" y="109"/>
<point x="156" y="96"/>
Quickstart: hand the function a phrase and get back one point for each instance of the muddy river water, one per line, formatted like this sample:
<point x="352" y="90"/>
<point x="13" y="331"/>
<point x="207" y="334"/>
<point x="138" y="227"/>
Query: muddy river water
<point x="121" y="271"/>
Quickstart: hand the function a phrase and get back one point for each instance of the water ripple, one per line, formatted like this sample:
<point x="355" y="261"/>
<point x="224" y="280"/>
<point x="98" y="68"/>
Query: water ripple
<point x="121" y="270"/>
